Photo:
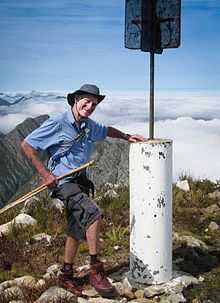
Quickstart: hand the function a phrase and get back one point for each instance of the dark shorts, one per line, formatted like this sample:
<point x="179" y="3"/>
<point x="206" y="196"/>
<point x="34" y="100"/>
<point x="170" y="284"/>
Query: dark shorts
<point x="81" y="212"/>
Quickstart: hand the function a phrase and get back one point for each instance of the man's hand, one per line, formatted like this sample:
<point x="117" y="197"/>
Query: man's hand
<point x="136" y="138"/>
<point x="49" y="179"/>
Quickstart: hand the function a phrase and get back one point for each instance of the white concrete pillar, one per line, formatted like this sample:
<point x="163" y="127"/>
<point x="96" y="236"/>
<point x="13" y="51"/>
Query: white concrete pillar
<point x="150" y="173"/>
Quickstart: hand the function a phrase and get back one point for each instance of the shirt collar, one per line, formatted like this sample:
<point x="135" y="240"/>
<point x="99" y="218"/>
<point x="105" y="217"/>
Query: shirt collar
<point x="72" y="119"/>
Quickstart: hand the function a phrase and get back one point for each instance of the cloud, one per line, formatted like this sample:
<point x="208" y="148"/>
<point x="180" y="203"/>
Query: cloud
<point x="190" y="119"/>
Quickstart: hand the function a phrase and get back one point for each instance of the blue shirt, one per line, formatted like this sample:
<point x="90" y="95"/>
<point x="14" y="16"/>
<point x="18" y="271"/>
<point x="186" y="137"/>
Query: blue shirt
<point x="63" y="134"/>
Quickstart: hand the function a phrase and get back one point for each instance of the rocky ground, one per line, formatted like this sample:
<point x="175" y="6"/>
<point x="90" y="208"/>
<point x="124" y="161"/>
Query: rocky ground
<point x="32" y="240"/>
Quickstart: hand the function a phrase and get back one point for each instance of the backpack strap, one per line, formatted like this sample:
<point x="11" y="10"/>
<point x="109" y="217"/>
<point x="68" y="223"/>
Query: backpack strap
<point x="64" y="148"/>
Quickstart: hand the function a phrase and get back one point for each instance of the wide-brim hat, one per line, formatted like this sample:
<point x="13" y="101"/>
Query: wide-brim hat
<point x="90" y="89"/>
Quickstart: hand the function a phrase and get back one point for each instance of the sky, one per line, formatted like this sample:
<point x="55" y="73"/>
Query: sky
<point x="61" y="44"/>
<point x="51" y="47"/>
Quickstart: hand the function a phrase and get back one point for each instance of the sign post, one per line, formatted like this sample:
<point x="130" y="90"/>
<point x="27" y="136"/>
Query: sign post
<point x="151" y="26"/>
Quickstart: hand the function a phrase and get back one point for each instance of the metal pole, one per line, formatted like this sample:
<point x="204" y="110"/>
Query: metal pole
<point x="151" y="112"/>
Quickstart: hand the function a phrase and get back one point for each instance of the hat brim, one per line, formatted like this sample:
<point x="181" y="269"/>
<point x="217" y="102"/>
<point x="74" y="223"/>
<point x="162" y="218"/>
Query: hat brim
<point x="71" y="96"/>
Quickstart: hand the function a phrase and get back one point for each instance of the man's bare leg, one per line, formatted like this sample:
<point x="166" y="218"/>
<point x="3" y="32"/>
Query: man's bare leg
<point x="71" y="247"/>
<point x="92" y="236"/>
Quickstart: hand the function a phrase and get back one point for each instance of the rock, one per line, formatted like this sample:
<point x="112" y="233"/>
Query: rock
<point x="30" y="205"/>
<point x="119" y="288"/>
<point x="172" y="289"/>
<point x="57" y="204"/>
<point x="116" y="247"/>
<point x="26" y="281"/>
<point x="7" y="284"/>
<point x="190" y="241"/>
<point x="174" y="298"/>
<point x="214" y="195"/>
<point x="201" y="279"/>
<point x="90" y="292"/>
<point x="40" y="284"/>
<point x="213" y="226"/>
<point x="21" y="220"/>
<point x="56" y="295"/>
<point x="13" y="293"/>
<point x="139" y="294"/>
<point x="111" y="193"/>
<point x="154" y="290"/>
<point x="119" y="275"/>
<point x="54" y="269"/>
<point x="142" y="300"/>
<point x="211" y="210"/>
<point x="82" y="300"/>
<point x="102" y="300"/>
<point x="184" y="185"/>
<point x="127" y="288"/>
<point x="42" y="237"/>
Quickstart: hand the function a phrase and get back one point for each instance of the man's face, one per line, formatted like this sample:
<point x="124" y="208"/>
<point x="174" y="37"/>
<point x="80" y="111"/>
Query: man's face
<point x="85" y="105"/>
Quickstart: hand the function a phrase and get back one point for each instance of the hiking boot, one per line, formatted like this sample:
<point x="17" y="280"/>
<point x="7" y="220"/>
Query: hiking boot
<point x="67" y="281"/>
<point x="99" y="281"/>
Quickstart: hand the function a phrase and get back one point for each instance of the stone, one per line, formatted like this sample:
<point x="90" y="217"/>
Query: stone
<point x="127" y="288"/>
<point x="154" y="290"/>
<point x="213" y="226"/>
<point x="13" y="293"/>
<point x="40" y="284"/>
<point x="82" y="300"/>
<point x="211" y="210"/>
<point x="42" y="237"/>
<point x="90" y="292"/>
<point x="119" y="288"/>
<point x="190" y="241"/>
<point x="24" y="220"/>
<point x="21" y="220"/>
<point x="102" y="300"/>
<point x="54" y="269"/>
<point x="57" y="204"/>
<point x="56" y="295"/>
<point x="26" y="281"/>
<point x="173" y="298"/>
<point x="214" y="195"/>
<point x="139" y="294"/>
<point x="111" y="193"/>
<point x="183" y="185"/>
<point x="142" y="300"/>
<point x="30" y="205"/>
<point x="7" y="284"/>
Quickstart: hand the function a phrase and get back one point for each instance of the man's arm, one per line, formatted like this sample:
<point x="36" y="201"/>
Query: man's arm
<point x="116" y="133"/>
<point x="33" y="155"/>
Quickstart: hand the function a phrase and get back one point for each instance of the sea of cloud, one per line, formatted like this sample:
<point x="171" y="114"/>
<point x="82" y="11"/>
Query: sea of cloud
<point x="190" y="119"/>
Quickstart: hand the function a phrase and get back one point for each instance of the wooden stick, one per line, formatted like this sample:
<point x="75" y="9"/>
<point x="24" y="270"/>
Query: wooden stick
<point x="42" y="188"/>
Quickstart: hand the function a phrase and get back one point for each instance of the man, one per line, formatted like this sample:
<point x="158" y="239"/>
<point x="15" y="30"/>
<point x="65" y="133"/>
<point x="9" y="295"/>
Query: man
<point x="69" y="138"/>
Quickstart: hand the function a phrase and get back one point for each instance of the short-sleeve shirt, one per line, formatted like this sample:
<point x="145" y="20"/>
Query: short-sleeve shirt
<point x="62" y="134"/>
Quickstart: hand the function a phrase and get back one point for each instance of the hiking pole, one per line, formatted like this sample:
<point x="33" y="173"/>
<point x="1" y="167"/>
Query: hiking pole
<point x="43" y="187"/>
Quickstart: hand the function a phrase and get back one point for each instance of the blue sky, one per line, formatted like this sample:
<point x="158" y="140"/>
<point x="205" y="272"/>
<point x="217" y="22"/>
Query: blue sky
<point x="60" y="44"/>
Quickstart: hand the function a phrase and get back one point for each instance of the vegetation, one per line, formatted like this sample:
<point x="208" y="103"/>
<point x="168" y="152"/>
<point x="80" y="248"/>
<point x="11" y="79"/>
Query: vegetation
<point x="193" y="211"/>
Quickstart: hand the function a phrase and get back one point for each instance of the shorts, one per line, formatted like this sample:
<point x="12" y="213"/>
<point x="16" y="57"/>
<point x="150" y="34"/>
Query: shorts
<point x="81" y="212"/>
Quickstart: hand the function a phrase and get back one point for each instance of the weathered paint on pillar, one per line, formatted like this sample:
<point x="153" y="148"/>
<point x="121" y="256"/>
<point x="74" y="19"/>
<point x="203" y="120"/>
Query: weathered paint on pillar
<point x="150" y="173"/>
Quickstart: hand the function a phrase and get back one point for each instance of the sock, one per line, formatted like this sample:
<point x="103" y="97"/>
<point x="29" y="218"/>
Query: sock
<point x="67" y="267"/>
<point x="93" y="259"/>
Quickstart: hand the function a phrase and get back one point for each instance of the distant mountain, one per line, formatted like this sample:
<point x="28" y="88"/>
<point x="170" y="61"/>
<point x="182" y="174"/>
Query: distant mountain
<point x="4" y="102"/>
<point x="15" y="169"/>
<point x="111" y="161"/>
